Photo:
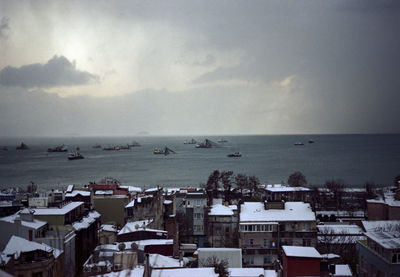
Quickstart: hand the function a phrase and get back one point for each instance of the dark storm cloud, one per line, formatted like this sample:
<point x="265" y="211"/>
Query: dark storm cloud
<point x="58" y="71"/>
<point x="4" y="27"/>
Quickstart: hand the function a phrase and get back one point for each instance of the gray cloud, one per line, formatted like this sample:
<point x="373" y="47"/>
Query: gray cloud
<point x="58" y="71"/>
<point x="4" y="27"/>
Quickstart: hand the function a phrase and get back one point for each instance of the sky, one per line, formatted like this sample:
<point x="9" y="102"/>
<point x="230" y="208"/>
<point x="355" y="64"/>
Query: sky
<point x="95" y="68"/>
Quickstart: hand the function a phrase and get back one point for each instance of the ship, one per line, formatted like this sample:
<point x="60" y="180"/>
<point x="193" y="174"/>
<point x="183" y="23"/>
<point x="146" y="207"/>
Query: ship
<point x="23" y="146"/>
<point x="234" y="155"/>
<point x="310" y="141"/>
<point x="112" y="148"/>
<point x="134" y="144"/>
<point x="206" y="144"/>
<point x="192" y="141"/>
<point x="96" y="146"/>
<point x="298" y="143"/>
<point x="222" y="140"/>
<point x="124" y="147"/>
<point x="59" y="148"/>
<point x="165" y="151"/>
<point x="75" y="156"/>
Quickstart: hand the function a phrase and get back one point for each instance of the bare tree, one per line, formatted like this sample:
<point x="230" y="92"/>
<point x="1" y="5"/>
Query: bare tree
<point x="220" y="266"/>
<point x="297" y="179"/>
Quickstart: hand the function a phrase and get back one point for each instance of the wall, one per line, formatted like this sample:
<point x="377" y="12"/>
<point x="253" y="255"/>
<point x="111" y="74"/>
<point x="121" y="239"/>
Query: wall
<point x="112" y="209"/>
<point x="296" y="266"/>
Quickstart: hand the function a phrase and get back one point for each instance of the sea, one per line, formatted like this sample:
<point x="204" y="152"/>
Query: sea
<point x="355" y="159"/>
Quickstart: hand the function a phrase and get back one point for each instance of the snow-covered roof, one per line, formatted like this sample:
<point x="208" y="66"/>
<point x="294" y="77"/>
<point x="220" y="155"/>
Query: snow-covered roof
<point x="219" y="209"/>
<point x="142" y="243"/>
<point x="389" y="199"/>
<point x="17" y="245"/>
<point x="342" y="270"/>
<point x="389" y="240"/>
<point x="301" y="251"/>
<point x="6" y="203"/>
<point x="86" y="221"/>
<point x="294" y="211"/>
<point x="34" y="224"/>
<point x="270" y="273"/>
<point x="381" y="225"/>
<point x="131" y="188"/>
<point x="157" y="260"/>
<point x="245" y="272"/>
<point x="76" y="192"/>
<point x="109" y="228"/>
<point x="4" y="259"/>
<point x="342" y="213"/>
<point x="330" y="256"/>
<point x="130" y="204"/>
<point x="104" y="192"/>
<point x="151" y="189"/>
<point x="136" y="226"/>
<point x="135" y="272"/>
<point x="184" y="272"/>
<point x="70" y="188"/>
<point x="167" y="202"/>
<point x="339" y="229"/>
<point x="281" y="188"/>
<point x="58" y="211"/>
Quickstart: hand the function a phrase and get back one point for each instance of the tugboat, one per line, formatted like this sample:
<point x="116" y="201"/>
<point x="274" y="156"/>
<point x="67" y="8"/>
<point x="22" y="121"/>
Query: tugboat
<point x="59" y="148"/>
<point x="234" y="155"/>
<point x="23" y="146"/>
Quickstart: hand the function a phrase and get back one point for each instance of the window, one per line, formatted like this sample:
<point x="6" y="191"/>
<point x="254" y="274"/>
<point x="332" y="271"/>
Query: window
<point x="249" y="259"/>
<point x="396" y="258"/>
<point x="198" y="216"/>
<point x="266" y="243"/>
<point x="251" y="241"/>
<point x="227" y="230"/>
<point x="306" y="242"/>
<point x="267" y="259"/>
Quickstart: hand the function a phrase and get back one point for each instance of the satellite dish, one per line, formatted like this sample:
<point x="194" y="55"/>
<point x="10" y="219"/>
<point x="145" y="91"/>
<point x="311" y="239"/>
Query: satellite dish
<point x="121" y="246"/>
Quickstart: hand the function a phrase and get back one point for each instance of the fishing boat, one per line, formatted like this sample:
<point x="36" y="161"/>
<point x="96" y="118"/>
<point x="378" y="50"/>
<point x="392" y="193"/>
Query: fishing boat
<point x="75" y="156"/>
<point x="59" y="148"/>
<point x="234" y="155"/>
<point x="192" y="141"/>
<point x="165" y="151"/>
<point x="23" y="146"/>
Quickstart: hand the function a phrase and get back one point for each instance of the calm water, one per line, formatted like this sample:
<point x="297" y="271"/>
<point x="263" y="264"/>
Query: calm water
<point x="353" y="158"/>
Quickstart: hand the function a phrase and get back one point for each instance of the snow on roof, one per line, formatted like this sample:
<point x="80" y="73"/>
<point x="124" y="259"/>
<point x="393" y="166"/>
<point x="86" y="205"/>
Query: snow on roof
<point x="135" y="272"/>
<point x="35" y="224"/>
<point x="246" y="272"/>
<point x="157" y="260"/>
<point x="301" y="251"/>
<point x="389" y="240"/>
<point x="339" y="229"/>
<point x="70" y="188"/>
<point x="270" y="273"/>
<point x="330" y="256"/>
<point x="109" y="228"/>
<point x="58" y="211"/>
<point x="389" y="199"/>
<point x="294" y="211"/>
<point x="167" y="202"/>
<point x="6" y="203"/>
<point x="219" y="209"/>
<point x="130" y="204"/>
<point x="342" y="270"/>
<point x="76" y="192"/>
<point x="86" y="221"/>
<point x="342" y="213"/>
<point x="104" y="192"/>
<point x="135" y="226"/>
<point x="4" y="259"/>
<point x="185" y="272"/>
<point x="17" y="245"/>
<point x="381" y="225"/>
<point x="151" y="189"/>
<point x="142" y="243"/>
<point x="280" y="188"/>
<point x="131" y="188"/>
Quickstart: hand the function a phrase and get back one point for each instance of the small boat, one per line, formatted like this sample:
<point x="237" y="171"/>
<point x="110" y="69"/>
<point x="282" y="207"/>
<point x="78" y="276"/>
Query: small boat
<point x="23" y="146"/>
<point x="164" y="151"/>
<point x="96" y="146"/>
<point x="234" y="155"/>
<point x="192" y="141"/>
<point x="310" y="141"/>
<point x="75" y="156"/>
<point x="4" y="148"/>
<point x="222" y="140"/>
<point x="59" y="148"/>
<point x="134" y="144"/>
<point x="298" y="143"/>
<point x="124" y="147"/>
